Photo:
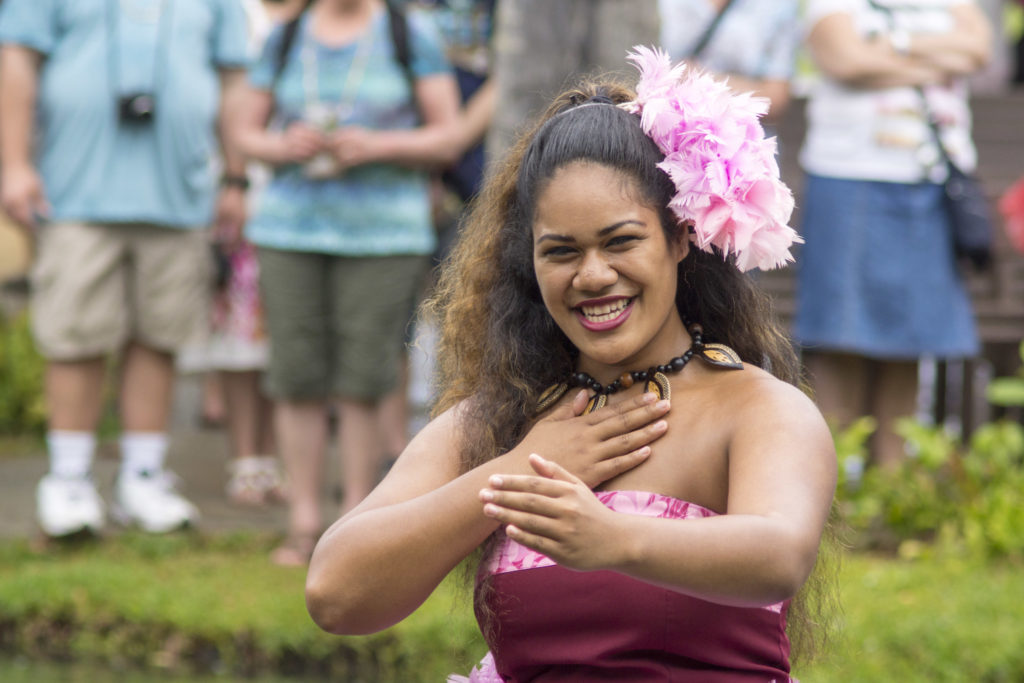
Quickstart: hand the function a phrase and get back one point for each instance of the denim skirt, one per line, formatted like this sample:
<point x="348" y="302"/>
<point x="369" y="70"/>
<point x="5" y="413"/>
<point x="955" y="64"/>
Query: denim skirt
<point x="877" y="276"/>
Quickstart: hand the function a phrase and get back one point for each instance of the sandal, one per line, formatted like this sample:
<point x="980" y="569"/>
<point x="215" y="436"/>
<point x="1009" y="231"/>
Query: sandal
<point x="272" y="480"/>
<point x="254" y="480"/>
<point x="295" y="550"/>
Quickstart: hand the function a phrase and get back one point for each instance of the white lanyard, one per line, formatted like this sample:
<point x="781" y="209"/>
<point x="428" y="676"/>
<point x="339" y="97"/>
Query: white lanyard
<point x="342" y="111"/>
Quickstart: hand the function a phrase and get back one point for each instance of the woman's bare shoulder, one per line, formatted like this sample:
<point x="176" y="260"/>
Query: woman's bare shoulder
<point x="755" y="394"/>
<point x="766" y="407"/>
<point x="442" y="429"/>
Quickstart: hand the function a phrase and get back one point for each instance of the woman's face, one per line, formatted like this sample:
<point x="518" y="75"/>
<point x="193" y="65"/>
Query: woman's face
<point x="606" y="271"/>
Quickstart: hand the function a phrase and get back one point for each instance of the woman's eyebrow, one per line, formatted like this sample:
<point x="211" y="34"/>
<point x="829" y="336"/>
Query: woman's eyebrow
<point x="615" y="226"/>
<point x="601" y="233"/>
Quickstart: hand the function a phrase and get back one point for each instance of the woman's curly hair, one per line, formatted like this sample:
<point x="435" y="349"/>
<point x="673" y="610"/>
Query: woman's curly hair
<point x="499" y="348"/>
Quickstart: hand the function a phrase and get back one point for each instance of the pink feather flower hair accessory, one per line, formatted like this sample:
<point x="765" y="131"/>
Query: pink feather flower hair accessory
<point x="716" y="153"/>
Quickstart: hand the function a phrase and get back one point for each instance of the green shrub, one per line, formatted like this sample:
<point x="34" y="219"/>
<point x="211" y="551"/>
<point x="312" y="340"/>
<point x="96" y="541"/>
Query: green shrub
<point x="1008" y="391"/>
<point x="21" y="379"/>
<point x="22" y="369"/>
<point x="959" y="496"/>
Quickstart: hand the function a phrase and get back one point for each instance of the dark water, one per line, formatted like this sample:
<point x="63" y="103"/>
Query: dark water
<point x="21" y="671"/>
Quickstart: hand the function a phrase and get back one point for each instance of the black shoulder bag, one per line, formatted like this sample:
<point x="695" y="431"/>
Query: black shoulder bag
<point x="970" y="216"/>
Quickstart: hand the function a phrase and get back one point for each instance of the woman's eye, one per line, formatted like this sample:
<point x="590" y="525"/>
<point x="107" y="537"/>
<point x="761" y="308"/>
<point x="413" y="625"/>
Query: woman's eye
<point x="620" y="240"/>
<point x="558" y="251"/>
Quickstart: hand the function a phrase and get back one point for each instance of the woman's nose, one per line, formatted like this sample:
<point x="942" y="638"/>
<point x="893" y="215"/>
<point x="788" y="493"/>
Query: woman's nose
<point x="595" y="273"/>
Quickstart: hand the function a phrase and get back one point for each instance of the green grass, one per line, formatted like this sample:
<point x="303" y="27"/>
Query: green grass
<point x="187" y="602"/>
<point x="938" y="619"/>
<point x="213" y="604"/>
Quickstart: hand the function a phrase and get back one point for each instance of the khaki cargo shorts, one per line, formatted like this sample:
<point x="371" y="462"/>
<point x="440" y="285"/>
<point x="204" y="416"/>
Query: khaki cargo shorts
<point x="336" y="324"/>
<point x="96" y="286"/>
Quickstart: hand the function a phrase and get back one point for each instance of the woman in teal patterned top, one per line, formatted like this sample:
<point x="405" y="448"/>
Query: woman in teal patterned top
<point x="343" y="229"/>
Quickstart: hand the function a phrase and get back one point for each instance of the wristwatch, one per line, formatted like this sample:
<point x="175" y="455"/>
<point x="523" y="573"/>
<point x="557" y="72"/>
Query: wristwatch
<point x="900" y="41"/>
<point x="239" y="181"/>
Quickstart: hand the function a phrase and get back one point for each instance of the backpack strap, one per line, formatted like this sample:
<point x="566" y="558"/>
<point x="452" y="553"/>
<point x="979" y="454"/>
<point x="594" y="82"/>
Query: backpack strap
<point x="399" y="24"/>
<point x="287" y="40"/>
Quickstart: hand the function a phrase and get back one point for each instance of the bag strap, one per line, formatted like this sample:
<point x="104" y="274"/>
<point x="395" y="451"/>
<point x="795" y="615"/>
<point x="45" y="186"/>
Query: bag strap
<point x="709" y="32"/>
<point x="933" y="125"/>
<point x="929" y="114"/>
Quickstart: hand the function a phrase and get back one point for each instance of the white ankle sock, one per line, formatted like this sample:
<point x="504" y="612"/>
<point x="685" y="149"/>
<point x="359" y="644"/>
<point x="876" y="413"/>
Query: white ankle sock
<point x="71" y="453"/>
<point x="142" y="452"/>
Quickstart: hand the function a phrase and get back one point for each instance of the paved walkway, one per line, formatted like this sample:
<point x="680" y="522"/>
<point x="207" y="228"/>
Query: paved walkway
<point x="198" y="456"/>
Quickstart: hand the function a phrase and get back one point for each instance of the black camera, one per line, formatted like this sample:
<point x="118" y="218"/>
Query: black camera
<point x="137" y="108"/>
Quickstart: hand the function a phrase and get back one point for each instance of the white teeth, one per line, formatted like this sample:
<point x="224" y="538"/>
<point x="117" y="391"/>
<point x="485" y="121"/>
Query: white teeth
<point x="604" y="312"/>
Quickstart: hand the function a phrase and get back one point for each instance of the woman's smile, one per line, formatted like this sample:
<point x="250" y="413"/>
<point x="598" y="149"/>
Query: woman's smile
<point x="604" y="314"/>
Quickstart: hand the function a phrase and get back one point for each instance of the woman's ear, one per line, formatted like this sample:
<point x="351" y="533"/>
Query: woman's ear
<point x="681" y="240"/>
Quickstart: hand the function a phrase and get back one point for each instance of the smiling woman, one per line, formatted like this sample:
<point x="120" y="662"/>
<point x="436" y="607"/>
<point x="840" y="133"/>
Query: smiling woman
<point x="606" y="270"/>
<point x="657" y="523"/>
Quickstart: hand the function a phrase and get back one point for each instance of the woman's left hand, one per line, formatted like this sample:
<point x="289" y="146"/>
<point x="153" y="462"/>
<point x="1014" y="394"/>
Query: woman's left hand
<point x="556" y="514"/>
<point x="353" y="146"/>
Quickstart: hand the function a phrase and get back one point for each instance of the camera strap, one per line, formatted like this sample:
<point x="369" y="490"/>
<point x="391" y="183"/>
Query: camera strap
<point x="163" y="20"/>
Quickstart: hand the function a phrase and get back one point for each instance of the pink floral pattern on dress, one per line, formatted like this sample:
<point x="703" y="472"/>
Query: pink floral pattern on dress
<point x="513" y="556"/>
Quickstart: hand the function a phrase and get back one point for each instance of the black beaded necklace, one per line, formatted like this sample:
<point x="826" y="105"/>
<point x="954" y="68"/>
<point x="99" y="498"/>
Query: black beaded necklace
<point x="655" y="378"/>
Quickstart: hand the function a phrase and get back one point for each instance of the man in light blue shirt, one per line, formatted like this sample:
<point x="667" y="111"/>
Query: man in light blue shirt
<point x="109" y="111"/>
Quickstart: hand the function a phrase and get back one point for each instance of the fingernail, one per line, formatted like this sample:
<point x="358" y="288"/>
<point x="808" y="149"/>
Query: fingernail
<point x="490" y="510"/>
<point x="649" y="397"/>
<point x="662" y="405"/>
<point x="661" y="424"/>
<point x="496" y="481"/>
<point x="644" y="451"/>
<point x="486" y="495"/>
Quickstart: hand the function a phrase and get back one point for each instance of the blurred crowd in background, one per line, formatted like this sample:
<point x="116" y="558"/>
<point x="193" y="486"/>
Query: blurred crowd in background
<point x="259" y="192"/>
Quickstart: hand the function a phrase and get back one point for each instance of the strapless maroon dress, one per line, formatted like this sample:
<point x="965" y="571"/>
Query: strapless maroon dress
<point x="549" y="623"/>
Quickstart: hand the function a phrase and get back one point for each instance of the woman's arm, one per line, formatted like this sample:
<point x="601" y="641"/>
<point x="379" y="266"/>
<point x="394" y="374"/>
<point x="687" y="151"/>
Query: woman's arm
<point x="846" y="56"/>
<point x="476" y="116"/>
<point x="434" y="142"/>
<point x="782" y="474"/>
<point x="229" y="212"/>
<point x="379" y="562"/>
<point x="960" y="52"/>
<point x="915" y="60"/>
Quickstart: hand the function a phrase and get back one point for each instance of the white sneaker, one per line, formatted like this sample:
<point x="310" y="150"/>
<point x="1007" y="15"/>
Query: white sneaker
<point x="67" y="505"/>
<point x="151" y="502"/>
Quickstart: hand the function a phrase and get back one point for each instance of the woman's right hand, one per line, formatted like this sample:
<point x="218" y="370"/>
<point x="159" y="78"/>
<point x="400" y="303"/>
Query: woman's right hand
<point x="600" y="445"/>
<point x="298" y="143"/>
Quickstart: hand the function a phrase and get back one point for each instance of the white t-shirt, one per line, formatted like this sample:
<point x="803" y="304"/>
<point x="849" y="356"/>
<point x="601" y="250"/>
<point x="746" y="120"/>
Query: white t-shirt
<point x="883" y="134"/>
<point x="756" y="38"/>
